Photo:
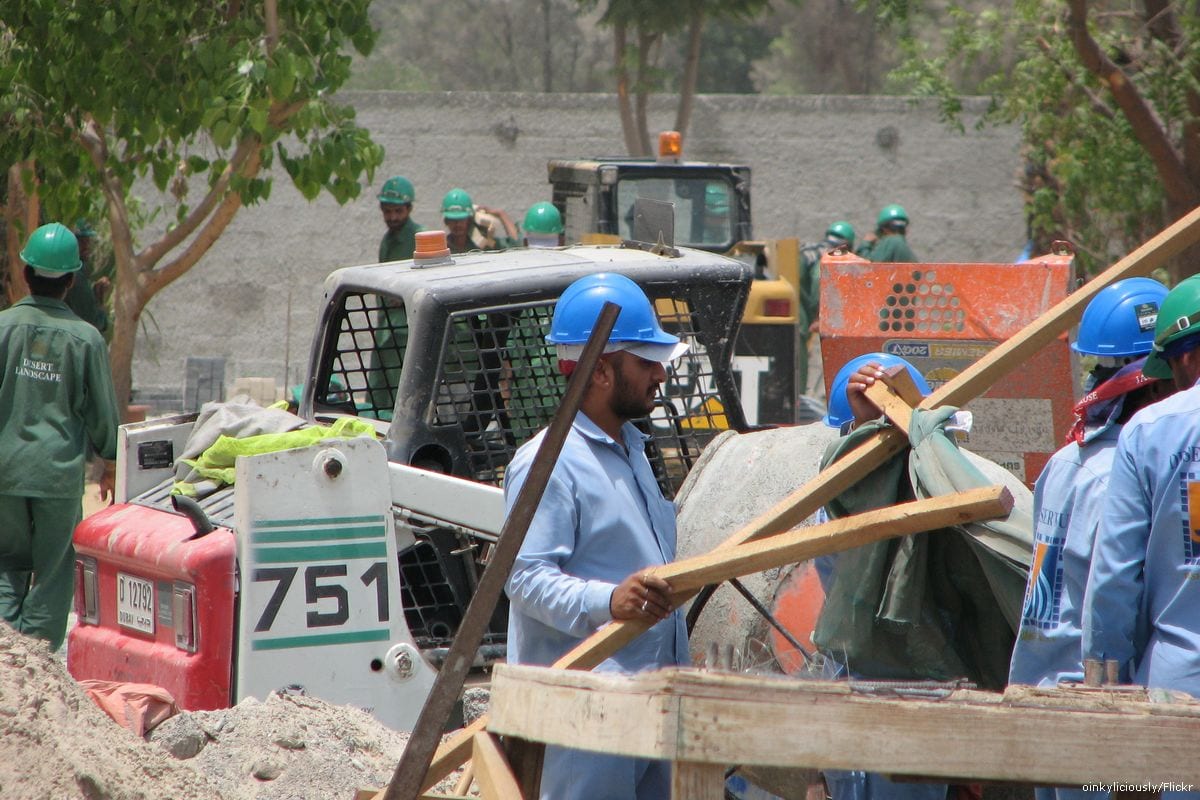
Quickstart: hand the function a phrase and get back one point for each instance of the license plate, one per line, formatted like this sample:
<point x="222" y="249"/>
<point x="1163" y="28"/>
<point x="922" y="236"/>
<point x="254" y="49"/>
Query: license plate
<point x="135" y="603"/>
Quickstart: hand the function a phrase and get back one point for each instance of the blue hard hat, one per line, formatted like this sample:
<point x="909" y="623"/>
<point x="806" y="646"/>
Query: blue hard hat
<point x="580" y="305"/>
<point x="1120" y="319"/>
<point x="839" y="404"/>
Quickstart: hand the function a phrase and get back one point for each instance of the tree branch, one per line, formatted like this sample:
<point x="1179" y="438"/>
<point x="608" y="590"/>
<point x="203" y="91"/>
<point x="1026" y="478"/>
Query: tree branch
<point x="1163" y="24"/>
<point x="175" y="236"/>
<point x="216" y="224"/>
<point x="1097" y="102"/>
<point x="93" y="140"/>
<point x="1145" y="123"/>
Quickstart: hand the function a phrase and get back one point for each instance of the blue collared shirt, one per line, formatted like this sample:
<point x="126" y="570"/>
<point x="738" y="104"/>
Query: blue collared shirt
<point x="602" y="518"/>
<point x="1067" y="500"/>
<point x="1144" y="585"/>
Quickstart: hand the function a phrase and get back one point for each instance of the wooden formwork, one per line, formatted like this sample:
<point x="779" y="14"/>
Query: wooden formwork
<point x="1126" y="738"/>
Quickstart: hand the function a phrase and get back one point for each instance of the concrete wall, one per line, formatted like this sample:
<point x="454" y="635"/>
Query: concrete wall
<point x="253" y="298"/>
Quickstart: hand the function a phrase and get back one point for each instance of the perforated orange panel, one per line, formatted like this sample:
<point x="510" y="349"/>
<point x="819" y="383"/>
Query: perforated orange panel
<point x="943" y="317"/>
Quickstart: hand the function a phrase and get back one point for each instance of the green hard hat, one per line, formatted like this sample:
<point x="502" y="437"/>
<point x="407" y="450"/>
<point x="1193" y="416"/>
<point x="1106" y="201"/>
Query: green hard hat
<point x="543" y="218"/>
<point x="457" y="204"/>
<point x="716" y="198"/>
<point x="53" y="250"/>
<point x="892" y="214"/>
<point x="397" y="191"/>
<point x="1178" y="318"/>
<point x="841" y="230"/>
<point x="84" y="229"/>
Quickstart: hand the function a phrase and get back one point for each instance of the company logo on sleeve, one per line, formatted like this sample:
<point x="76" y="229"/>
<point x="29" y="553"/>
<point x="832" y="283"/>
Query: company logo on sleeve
<point x="1043" y="595"/>
<point x="1189" y="485"/>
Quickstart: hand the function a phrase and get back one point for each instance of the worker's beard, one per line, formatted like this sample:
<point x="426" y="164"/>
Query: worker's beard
<point x="627" y="402"/>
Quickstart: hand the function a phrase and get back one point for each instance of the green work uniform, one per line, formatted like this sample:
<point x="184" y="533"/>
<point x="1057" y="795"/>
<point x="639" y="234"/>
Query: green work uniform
<point x="399" y="245"/>
<point x="810" y="306"/>
<point x="56" y="397"/>
<point x="889" y="249"/>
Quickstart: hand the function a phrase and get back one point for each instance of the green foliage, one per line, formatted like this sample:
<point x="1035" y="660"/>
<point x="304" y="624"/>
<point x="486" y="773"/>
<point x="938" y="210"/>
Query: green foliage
<point x="173" y="88"/>
<point x="1088" y="177"/>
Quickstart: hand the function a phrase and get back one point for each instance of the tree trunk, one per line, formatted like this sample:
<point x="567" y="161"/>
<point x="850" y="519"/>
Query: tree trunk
<point x="127" y="311"/>
<point x="547" y="60"/>
<point x="20" y="220"/>
<point x="646" y="43"/>
<point x="691" y="71"/>
<point x="624" y="106"/>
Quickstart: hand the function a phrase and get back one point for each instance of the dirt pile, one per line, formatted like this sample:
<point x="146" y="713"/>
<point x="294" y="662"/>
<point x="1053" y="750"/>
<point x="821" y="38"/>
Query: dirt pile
<point x="55" y="743"/>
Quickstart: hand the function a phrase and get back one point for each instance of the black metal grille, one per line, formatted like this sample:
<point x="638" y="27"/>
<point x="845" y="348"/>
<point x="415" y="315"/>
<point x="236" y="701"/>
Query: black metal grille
<point x="372" y="337"/>
<point x="432" y="607"/>
<point x="499" y="380"/>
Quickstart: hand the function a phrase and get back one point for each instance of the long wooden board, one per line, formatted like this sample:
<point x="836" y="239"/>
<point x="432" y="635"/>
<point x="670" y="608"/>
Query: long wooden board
<point x="714" y="718"/>
<point x="835" y="536"/>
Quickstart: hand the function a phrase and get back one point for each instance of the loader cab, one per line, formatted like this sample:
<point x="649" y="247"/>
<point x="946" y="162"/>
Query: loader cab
<point x="451" y="364"/>
<point x="712" y="201"/>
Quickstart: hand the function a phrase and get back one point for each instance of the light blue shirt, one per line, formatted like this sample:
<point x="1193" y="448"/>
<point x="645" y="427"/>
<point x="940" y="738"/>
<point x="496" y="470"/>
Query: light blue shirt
<point x="1067" y="500"/>
<point x="1144" y="587"/>
<point x="602" y="518"/>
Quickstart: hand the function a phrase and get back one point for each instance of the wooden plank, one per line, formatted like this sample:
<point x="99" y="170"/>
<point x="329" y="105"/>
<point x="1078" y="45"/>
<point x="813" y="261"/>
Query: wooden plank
<point x="695" y="781"/>
<point x="468" y="777"/>
<point x="495" y="778"/>
<point x="902" y="519"/>
<point x="688" y="715"/>
<point x="526" y="758"/>
<point x="896" y="395"/>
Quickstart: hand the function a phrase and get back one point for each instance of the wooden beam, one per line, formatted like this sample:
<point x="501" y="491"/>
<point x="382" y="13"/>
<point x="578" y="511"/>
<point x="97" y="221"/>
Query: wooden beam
<point x="961" y="736"/>
<point x="837" y="535"/>
<point x="896" y="395"/>
<point x="495" y="778"/>
<point x="693" y="781"/>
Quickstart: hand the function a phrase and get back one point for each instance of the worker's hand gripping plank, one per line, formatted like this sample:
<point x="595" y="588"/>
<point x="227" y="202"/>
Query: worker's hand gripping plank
<point x="800" y="504"/>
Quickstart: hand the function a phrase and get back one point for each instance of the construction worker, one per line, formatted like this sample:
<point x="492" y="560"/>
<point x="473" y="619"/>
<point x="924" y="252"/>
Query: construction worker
<point x="848" y="408"/>
<point x="88" y="298"/>
<point x="56" y="398"/>
<point x="601" y="522"/>
<point x="887" y="244"/>
<point x="1117" y="327"/>
<point x="716" y="213"/>
<point x="1139" y="608"/>
<point x="396" y="202"/>
<point x="838" y="234"/>
<point x="463" y="230"/>
<point x="543" y="226"/>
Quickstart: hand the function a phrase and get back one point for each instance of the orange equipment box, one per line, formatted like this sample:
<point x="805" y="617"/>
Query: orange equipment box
<point x="943" y="317"/>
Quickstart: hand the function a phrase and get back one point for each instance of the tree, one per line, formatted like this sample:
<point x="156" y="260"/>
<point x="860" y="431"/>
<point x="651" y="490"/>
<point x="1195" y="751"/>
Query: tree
<point x="1107" y="96"/>
<point x="640" y="30"/>
<point x="103" y="100"/>
<point x="482" y="45"/>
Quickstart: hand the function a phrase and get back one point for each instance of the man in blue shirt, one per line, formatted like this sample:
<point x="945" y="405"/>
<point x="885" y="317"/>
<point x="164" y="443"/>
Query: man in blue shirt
<point x="601" y="522"/>
<point x="1143" y="588"/>
<point x="1118" y="330"/>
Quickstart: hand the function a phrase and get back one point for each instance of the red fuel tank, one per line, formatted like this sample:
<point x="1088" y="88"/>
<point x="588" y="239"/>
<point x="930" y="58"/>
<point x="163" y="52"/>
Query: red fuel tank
<point x="154" y="605"/>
